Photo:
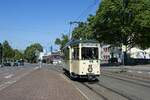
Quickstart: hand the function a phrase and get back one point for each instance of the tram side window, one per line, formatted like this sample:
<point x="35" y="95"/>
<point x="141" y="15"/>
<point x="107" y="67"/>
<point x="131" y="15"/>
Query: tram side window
<point x="66" y="54"/>
<point x="89" y="53"/>
<point x="75" y="54"/>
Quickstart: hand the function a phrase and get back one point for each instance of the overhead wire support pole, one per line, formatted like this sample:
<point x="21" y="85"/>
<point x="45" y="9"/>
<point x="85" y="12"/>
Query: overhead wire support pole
<point x="72" y="23"/>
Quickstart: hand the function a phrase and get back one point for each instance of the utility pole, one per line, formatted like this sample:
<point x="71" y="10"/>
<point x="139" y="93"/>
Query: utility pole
<point x="72" y="23"/>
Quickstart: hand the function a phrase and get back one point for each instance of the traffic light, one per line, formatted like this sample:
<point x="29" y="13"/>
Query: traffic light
<point x="1" y="53"/>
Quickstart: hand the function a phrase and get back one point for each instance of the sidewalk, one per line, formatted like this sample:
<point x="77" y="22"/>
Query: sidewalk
<point x="42" y="84"/>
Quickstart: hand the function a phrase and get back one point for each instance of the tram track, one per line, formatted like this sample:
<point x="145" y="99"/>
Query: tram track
<point x="128" y="79"/>
<point x="96" y="92"/>
<point x="125" y="73"/>
<point x="104" y="96"/>
<point x="121" y="93"/>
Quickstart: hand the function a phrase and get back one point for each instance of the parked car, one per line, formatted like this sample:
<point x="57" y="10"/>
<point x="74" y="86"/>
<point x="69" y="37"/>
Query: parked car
<point x="113" y="60"/>
<point x="21" y="62"/>
<point x="18" y="63"/>
<point x="7" y="63"/>
<point x="56" y="61"/>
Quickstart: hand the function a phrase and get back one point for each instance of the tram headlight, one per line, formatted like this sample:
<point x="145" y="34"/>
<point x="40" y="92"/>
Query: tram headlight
<point x="90" y="69"/>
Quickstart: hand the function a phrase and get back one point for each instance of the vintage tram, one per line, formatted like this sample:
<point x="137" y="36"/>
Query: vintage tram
<point x="82" y="59"/>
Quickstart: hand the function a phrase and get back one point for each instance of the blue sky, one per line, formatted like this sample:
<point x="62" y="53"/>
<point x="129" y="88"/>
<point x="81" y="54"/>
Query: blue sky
<point x="23" y="22"/>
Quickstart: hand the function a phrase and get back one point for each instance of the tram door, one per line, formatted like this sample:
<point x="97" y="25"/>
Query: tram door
<point x="75" y="60"/>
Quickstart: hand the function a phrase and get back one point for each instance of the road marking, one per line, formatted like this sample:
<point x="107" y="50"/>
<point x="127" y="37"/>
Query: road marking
<point x="6" y="84"/>
<point x="9" y="76"/>
<point x="36" y="68"/>
<point x="139" y="72"/>
<point x="1" y="85"/>
<point x="130" y="71"/>
<point x="10" y="82"/>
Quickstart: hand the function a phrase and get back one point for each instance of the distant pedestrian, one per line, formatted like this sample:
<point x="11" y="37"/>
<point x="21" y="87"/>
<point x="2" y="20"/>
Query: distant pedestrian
<point x="119" y="60"/>
<point x="40" y="63"/>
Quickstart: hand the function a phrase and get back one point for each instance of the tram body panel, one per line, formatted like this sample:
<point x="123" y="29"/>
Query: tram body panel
<point x="89" y="67"/>
<point x="75" y="66"/>
<point x="66" y="64"/>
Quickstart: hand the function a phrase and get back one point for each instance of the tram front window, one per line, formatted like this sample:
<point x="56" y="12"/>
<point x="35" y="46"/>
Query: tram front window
<point x="89" y="53"/>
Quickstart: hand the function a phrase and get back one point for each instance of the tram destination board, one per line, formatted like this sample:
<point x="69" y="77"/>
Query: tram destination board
<point x="89" y="44"/>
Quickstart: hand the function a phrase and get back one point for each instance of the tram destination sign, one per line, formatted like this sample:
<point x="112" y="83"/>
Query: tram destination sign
<point x="89" y="44"/>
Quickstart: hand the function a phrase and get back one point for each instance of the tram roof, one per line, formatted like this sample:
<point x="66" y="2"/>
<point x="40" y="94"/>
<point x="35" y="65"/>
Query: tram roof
<point x="75" y="42"/>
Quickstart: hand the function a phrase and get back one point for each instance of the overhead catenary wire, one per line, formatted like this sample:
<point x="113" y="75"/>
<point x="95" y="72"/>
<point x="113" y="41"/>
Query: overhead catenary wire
<point x="78" y="19"/>
<point x="87" y="10"/>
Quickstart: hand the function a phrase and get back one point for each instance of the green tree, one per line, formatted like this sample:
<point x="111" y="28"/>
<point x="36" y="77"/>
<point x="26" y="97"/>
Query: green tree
<point x="80" y="31"/>
<point x="124" y="22"/>
<point x="37" y="46"/>
<point x="8" y="52"/>
<point x="31" y="52"/>
<point x="62" y="41"/>
<point x="84" y="29"/>
<point x="18" y="55"/>
<point x="1" y="52"/>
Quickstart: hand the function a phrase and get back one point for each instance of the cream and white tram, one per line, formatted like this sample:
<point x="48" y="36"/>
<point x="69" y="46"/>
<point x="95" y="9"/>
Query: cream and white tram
<point x="82" y="59"/>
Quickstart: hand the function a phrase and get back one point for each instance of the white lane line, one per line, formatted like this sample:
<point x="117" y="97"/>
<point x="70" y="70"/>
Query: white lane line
<point x="9" y="76"/>
<point x="36" y="68"/>
<point x="6" y="84"/>
<point x="139" y="72"/>
<point x="1" y="86"/>
<point x="10" y="82"/>
<point x="130" y="71"/>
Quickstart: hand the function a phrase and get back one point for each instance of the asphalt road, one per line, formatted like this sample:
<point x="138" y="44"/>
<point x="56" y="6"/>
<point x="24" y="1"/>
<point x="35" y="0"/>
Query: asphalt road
<point x="111" y="85"/>
<point x="10" y="75"/>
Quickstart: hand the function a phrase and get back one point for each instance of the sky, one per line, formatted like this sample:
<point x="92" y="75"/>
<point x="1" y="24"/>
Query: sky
<point x="24" y="22"/>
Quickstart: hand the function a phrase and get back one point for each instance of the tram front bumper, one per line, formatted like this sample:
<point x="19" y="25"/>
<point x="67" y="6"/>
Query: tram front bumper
<point x="89" y="75"/>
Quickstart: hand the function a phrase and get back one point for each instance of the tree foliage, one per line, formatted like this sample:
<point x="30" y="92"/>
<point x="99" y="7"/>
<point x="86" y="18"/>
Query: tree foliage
<point x="18" y="55"/>
<point x="8" y="52"/>
<point x="62" y="41"/>
<point x="31" y="52"/>
<point x="1" y="48"/>
<point x="118" y="22"/>
<point x="123" y="22"/>
<point x="84" y="29"/>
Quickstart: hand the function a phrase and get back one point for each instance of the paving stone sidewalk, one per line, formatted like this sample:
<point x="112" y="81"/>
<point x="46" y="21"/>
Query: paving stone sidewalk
<point x="42" y="84"/>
